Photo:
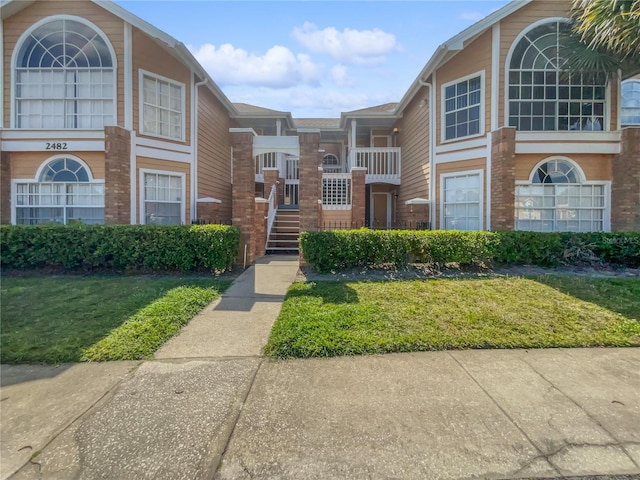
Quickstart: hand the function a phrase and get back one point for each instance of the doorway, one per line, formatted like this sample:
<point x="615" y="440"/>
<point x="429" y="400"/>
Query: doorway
<point x="380" y="210"/>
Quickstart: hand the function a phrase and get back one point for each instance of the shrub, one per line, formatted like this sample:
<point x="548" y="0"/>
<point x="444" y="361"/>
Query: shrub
<point x="344" y="249"/>
<point x="120" y="247"/>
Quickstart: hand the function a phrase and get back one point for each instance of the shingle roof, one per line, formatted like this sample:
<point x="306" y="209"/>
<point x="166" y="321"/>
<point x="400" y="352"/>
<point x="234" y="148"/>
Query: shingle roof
<point x="384" y="108"/>
<point x="246" y="108"/>
<point x="317" y="122"/>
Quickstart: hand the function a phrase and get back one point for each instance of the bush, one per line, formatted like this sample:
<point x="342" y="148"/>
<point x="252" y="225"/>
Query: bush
<point x="344" y="249"/>
<point x="120" y="247"/>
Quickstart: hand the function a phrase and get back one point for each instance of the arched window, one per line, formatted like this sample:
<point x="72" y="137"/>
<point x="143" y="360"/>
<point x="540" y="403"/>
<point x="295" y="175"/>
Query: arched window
<point x="543" y="93"/>
<point x="630" y="108"/>
<point x="64" y="77"/>
<point x="557" y="198"/>
<point x="63" y="192"/>
<point x="330" y="163"/>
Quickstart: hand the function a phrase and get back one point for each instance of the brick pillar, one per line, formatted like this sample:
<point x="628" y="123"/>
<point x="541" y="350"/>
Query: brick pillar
<point x="503" y="178"/>
<point x="310" y="159"/>
<point x="117" y="175"/>
<point x="5" y="187"/>
<point x="260" y="225"/>
<point x="208" y="212"/>
<point x="358" y="196"/>
<point x="271" y="177"/>
<point x="625" y="184"/>
<point x="243" y="192"/>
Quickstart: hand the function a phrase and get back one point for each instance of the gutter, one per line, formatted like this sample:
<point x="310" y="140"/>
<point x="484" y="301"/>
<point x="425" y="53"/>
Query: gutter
<point x="432" y="173"/>
<point x="194" y="147"/>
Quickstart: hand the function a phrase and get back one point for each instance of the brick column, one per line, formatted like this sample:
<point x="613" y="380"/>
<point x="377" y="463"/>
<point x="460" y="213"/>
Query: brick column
<point x="260" y="226"/>
<point x="208" y="212"/>
<point x="358" y="196"/>
<point x="271" y="177"/>
<point x="117" y="175"/>
<point x="5" y="187"/>
<point x="503" y="178"/>
<point x="243" y="192"/>
<point x="310" y="159"/>
<point x="625" y="184"/>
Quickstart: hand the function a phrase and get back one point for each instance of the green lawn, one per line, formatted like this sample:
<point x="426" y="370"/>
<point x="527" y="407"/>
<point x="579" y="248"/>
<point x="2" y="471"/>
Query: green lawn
<point x="346" y="318"/>
<point x="55" y="319"/>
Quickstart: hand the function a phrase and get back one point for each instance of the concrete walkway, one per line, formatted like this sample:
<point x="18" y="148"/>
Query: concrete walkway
<point x="210" y="406"/>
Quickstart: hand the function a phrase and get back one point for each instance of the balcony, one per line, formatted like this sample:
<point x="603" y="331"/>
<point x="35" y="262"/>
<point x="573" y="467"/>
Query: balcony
<point x="382" y="163"/>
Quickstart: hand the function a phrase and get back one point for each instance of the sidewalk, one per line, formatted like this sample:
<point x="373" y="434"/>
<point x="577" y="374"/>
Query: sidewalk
<point x="210" y="406"/>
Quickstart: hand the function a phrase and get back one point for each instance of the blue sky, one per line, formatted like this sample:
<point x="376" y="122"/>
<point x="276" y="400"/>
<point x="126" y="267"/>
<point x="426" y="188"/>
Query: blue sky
<point x="313" y="58"/>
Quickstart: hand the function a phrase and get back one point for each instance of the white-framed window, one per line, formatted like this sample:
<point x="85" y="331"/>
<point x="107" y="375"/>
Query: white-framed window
<point x="630" y="102"/>
<point x="543" y="95"/>
<point x="461" y="200"/>
<point x="331" y="163"/>
<point x="63" y="192"/>
<point x="162" y="199"/>
<point x="557" y="198"/>
<point x="463" y="107"/>
<point x="162" y="106"/>
<point x="63" y="76"/>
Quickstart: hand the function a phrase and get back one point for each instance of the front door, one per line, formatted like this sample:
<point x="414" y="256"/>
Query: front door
<point x="381" y="211"/>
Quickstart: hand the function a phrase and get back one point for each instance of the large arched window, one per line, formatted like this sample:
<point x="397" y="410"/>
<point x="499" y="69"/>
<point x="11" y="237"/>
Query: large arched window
<point x="62" y="192"/>
<point x="64" y="77"/>
<point x="557" y="198"/>
<point x="331" y="163"/>
<point x="543" y="94"/>
<point x="630" y="107"/>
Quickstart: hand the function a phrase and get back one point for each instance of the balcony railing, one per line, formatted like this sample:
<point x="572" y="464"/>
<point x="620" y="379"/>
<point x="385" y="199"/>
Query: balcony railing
<point x="266" y="160"/>
<point x="382" y="163"/>
<point x="336" y="191"/>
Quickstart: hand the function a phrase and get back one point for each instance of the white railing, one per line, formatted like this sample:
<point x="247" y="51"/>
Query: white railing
<point x="336" y="191"/>
<point x="273" y="208"/>
<point x="382" y="163"/>
<point x="265" y="160"/>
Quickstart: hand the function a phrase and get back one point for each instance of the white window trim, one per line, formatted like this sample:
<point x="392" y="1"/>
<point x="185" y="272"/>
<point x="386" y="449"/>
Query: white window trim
<point x="44" y="164"/>
<point x="183" y="89"/>
<point x="142" y="172"/>
<point x="443" y="112"/>
<point x="576" y="167"/>
<point x="444" y="176"/>
<point x="630" y="81"/>
<point x="575" y="133"/>
<point x="29" y="31"/>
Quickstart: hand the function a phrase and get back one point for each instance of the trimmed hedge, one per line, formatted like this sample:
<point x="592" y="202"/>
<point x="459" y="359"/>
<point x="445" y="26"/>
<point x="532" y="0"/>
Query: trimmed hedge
<point x="120" y="247"/>
<point x="344" y="249"/>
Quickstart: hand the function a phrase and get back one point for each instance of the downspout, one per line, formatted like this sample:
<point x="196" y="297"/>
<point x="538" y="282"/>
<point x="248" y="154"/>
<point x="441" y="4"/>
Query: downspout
<point x="432" y="172"/>
<point x="194" y="162"/>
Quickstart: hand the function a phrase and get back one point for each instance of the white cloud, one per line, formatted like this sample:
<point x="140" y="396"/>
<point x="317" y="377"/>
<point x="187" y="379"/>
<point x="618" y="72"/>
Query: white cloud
<point x="277" y="68"/>
<point x="362" y="47"/>
<point x="472" y="16"/>
<point x="340" y="76"/>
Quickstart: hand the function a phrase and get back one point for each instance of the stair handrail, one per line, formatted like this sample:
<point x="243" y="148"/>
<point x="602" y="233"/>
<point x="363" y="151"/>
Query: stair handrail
<point x="273" y="208"/>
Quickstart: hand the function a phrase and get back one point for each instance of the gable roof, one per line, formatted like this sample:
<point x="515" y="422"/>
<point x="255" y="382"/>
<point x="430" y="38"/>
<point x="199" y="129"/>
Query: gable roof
<point x="11" y="7"/>
<point x="457" y="43"/>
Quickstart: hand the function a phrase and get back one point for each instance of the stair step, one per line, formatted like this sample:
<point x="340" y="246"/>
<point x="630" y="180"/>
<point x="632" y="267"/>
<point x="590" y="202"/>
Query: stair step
<point x="282" y="241"/>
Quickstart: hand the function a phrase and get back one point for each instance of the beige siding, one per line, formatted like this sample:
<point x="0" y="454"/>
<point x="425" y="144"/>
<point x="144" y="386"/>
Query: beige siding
<point x="14" y="26"/>
<point x="214" y="152"/>
<point x="413" y="138"/>
<point x="177" y="167"/>
<point x="462" y="166"/>
<point x="24" y="165"/>
<point x="595" y="167"/>
<point x="155" y="58"/>
<point x="336" y="219"/>
<point x="476" y="57"/>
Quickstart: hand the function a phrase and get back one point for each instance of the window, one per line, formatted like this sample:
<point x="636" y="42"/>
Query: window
<point x="64" y="78"/>
<point x="163" y="197"/>
<point x="331" y="163"/>
<point x="461" y="205"/>
<point x="543" y="94"/>
<point x="63" y="193"/>
<point x="630" y="108"/>
<point x="462" y="108"/>
<point x="558" y="200"/>
<point x="162" y="106"/>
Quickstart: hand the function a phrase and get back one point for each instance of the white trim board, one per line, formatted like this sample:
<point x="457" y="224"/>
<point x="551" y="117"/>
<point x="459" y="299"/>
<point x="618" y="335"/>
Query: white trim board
<point x="567" y="148"/>
<point x="472" y="154"/>
<point x="162" y="154"/>
<point x="41" y="145"/>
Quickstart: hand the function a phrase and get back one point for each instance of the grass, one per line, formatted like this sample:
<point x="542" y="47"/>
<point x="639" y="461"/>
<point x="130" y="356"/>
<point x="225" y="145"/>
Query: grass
<point x="346" y="318"/>
<point x="57" y="319"/>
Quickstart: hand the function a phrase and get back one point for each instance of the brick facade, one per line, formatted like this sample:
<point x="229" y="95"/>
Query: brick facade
<point x="625" y="184"/>
<point x="260" y="226"/>
<point x="310" y="177"/>
<point x="358" y="196"/>
<point x="503" y="178"/>
<point x="117" y="175"/>
<point x="243" y="206"/>
<point x="271" y="178"/>
<point x="5" y="187"/>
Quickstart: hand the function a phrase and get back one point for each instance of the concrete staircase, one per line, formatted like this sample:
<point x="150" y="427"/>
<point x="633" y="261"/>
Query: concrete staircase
<point x="285" y="233"/>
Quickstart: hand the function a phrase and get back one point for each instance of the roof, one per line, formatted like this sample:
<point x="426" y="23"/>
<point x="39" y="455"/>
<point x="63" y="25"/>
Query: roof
<point x="317" y="122"/>
<point x="384" y="108"/>
<point x="253" y="109"/>
<point x="11" y="7"/>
